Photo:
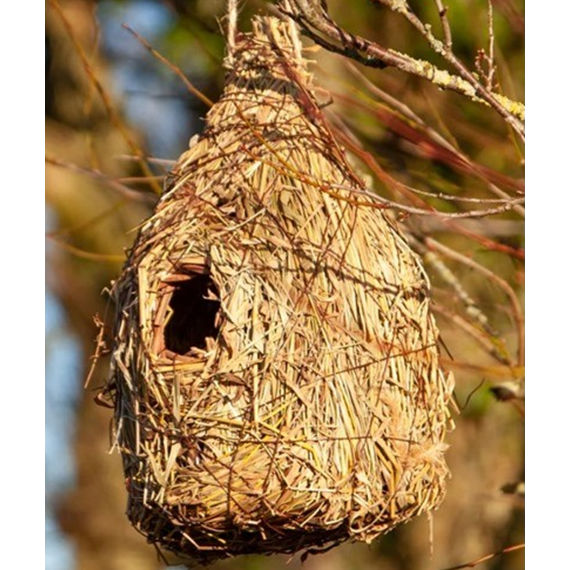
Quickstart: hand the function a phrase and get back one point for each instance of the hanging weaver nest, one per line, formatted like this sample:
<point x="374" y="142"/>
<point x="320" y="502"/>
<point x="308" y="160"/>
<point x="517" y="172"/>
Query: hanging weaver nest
<point x="275" y="369"/>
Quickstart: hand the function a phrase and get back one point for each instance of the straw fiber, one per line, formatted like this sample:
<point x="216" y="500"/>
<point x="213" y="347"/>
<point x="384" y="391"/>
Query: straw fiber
<point x="275" y="368"/>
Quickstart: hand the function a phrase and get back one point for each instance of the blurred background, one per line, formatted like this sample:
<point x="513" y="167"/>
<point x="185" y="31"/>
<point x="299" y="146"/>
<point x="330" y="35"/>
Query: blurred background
<point x="118" y="116"/>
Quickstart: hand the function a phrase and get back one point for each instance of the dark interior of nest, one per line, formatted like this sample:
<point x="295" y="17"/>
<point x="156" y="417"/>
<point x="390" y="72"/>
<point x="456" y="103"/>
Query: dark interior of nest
<point x="190" y="324"/>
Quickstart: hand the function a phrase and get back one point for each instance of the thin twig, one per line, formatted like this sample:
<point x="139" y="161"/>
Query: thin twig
<point x="194" y="90"/>
<point x="396" y="186"/>
<point x="478" y="561"/>
<point x="382" y="203"/>
<point x="505" y="207"/>
<point x="417" y="122"/>
<point x="491" y="55"/>
<point x="111" y="112"/>
<point x="498" y="372"/>
<point x="90" y="255"/>
<point x="438" y="265"/>
<point x="498" y="192"/>
<point x="122" y="189"/>
<point x="489" y="345"/>
<point x="166" y="162"/>
<point x="442" y="12"/>
<point x="433" y="244"/>
<point x="401" y="107"/>
<point x="89" y="223"/>
<point x="451" y="198"/>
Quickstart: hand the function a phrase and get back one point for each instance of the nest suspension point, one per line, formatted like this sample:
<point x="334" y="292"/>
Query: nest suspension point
<point x="275" y="369"/>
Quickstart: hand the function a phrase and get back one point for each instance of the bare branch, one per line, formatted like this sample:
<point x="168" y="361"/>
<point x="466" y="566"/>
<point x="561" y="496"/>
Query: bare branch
<point x="411" y="116"/>
<point x="434" y="245"/>
<point x="491" y="55"/>
<point x="432" y="258"/>
<point x="442" y="11"/>
<point x="315" y="22"/>
<point x="494" y="100"/>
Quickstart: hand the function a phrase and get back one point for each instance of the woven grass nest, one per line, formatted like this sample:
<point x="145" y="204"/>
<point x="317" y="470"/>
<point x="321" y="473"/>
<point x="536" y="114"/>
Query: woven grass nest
<point x="275" y="368"/>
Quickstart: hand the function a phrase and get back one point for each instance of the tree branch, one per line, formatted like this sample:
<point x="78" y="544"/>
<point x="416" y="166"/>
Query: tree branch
<point x="316" y="23"/>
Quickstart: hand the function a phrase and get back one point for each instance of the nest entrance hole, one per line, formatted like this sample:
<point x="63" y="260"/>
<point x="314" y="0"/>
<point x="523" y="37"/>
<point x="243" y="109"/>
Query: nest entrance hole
<point x="194" y="305"/>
